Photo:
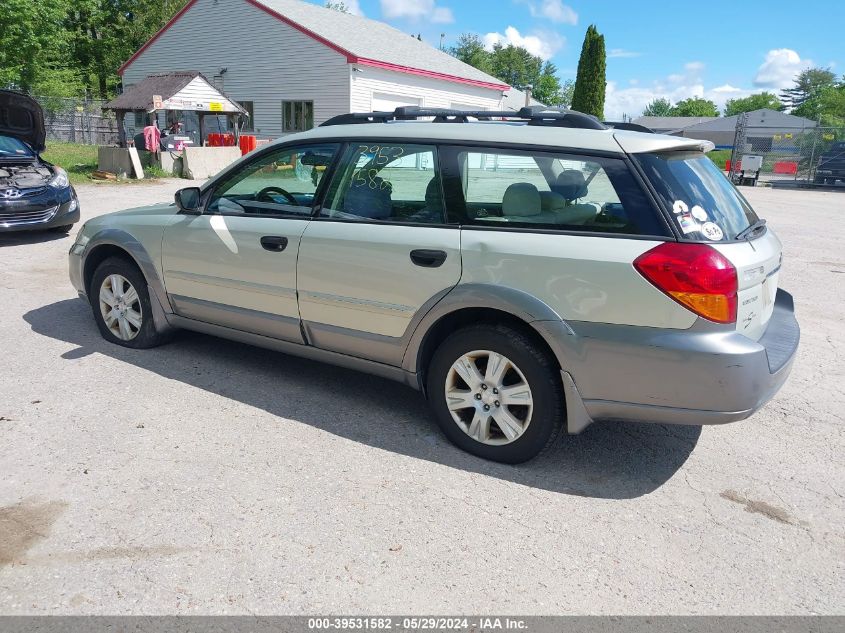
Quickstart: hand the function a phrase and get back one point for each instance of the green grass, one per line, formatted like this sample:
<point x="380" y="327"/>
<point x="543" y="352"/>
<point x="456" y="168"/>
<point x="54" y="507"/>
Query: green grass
<point x="719" y="156"/>
<point x="79" y="161"/>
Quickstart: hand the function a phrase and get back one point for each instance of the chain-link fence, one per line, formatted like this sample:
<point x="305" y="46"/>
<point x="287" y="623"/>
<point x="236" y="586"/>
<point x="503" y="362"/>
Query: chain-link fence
<point x="807" y="156"/>
<point x="78" y="121"/>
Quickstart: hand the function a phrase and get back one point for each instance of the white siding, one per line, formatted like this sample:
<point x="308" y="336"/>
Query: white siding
<point x="433" y="93"/>
<point x="199" y="92"/>
<point x="267" y="60"/>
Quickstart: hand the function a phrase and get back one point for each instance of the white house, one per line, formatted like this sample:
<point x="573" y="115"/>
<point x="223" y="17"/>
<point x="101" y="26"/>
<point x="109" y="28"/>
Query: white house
<point x="293" y="65"/>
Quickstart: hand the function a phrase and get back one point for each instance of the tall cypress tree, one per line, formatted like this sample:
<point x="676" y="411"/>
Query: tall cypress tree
<point x="591" y="81"/>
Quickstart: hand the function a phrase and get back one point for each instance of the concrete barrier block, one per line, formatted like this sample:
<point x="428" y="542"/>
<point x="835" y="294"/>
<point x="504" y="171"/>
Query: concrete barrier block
<point x="199" y="163"/>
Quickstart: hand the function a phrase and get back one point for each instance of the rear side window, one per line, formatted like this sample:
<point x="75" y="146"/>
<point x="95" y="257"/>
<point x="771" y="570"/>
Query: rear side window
<point x="525" y="189"/>
<point x="387" y="182"/>
<point x="704" y="204"/>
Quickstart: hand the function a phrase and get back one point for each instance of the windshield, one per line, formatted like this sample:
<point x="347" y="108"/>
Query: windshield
<point x="13" y="147"/>
<point x="704" y="204"/>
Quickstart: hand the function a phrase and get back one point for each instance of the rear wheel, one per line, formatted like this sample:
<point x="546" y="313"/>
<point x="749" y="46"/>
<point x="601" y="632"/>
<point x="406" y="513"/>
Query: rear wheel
<point x="496" y="393"/>
<point x="121" y="305"/>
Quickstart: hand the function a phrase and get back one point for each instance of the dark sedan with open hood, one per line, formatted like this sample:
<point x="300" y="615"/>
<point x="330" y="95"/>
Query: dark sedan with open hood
<point x="34" y="194"/>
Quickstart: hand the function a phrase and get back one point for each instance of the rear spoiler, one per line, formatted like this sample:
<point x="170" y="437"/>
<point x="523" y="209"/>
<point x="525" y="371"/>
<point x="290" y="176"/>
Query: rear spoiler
<point x="638" y="143"/>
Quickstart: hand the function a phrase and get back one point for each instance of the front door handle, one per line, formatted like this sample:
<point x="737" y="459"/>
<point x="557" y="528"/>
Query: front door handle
<point x="428" y="258"/>
<point x="274" y="243"/>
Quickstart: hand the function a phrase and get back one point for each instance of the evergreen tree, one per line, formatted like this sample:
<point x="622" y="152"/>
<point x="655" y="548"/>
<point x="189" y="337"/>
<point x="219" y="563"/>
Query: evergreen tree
<point x="591" y="80"/>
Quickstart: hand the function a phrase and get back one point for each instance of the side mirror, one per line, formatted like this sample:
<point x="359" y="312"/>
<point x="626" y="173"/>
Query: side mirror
<point x="188" y="200"/>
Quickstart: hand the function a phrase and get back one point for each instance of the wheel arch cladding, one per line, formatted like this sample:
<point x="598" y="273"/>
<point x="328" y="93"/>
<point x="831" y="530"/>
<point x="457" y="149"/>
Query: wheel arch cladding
<point x="451" y="321"/>
<point x="117" y="243"/>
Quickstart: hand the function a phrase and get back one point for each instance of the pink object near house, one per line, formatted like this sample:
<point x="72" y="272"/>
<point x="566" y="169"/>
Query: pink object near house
<point x="152" y="139"/>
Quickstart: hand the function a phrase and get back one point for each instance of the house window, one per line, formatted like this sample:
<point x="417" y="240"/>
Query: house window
<point x="297" y="116"/>
<point x="249" y="122"/>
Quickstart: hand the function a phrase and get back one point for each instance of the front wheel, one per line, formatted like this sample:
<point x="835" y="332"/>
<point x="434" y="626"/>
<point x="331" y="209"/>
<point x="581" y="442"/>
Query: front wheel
<point x="496" y="393"/>
<point x="121" y="305"/>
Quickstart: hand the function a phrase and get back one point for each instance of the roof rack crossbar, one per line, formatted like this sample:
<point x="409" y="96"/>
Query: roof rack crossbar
<point x="533" y="115"/>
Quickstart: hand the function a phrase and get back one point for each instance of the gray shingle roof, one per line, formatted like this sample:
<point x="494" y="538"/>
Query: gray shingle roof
<point x="140" y="96"/>
<point x="763" y="118"/>
<point x="671" y="123"/>
<point x="372" y="40"/>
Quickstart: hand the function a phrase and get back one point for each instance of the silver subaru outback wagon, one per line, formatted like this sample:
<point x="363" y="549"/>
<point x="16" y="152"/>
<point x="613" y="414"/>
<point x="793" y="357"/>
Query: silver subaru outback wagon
<point x="530" y="272"/>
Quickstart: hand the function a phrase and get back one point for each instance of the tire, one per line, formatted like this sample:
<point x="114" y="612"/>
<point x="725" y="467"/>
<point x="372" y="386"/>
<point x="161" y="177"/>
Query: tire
<point x="526" y="364"/>
<point x="131" y="323"/>
<point x="65" y="228"/>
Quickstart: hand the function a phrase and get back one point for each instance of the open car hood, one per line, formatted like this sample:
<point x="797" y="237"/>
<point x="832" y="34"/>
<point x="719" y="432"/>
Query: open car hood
<point x="21" y="117"/>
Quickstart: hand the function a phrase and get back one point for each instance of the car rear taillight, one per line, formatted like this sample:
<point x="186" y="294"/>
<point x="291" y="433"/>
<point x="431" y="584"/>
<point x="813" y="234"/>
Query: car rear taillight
<point x="697" y="276"/>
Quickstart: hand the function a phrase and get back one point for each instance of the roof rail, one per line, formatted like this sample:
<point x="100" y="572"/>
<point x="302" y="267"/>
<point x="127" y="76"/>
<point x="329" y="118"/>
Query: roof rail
<point x="632" y="127"/>
<point x="534" y="115"/>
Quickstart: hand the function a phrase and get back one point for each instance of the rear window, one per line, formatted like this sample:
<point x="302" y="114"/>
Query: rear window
<point x="705" y="205"/>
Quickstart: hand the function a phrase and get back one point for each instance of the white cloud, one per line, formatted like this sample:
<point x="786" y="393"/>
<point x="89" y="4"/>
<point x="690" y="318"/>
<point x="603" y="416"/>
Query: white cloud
<point x="621" y="53"/>
<point x="676" y="87"/>
<point x="780" y="68"/>
<point x="442" y="15"/>
<point x="544" y="45"/>
<point x="553" y="10"/>
<point x="416" y="10"/>
<point x="728" y="90"/>
<point x="353" y="6"/>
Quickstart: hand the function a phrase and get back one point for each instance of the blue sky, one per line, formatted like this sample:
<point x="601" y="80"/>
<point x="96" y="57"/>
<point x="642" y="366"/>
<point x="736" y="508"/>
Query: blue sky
<point x="674" y="50"/>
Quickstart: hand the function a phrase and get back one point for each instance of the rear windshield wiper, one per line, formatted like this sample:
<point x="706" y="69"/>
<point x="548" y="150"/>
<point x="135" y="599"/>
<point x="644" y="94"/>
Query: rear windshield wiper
<point x="759" y="225"/>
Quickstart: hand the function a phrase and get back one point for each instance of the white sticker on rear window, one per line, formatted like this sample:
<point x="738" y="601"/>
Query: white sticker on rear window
<point x="688" y="223"/>
<point x="699" y="214"/>
<point x="712" y="231"/>
<point x="679" y="206"/>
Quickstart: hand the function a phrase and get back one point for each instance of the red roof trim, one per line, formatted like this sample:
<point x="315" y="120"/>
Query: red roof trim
<point x="350" y="57"/>
<point x="160" y="32"/>
<point x="429" y="73"/>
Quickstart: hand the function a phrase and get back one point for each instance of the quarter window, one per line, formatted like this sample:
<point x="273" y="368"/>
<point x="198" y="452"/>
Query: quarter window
<point x="553" y="191"/>
<point x="297" y="116"/>
<point x="282" y="182"/>
<point x="387" y="182"/>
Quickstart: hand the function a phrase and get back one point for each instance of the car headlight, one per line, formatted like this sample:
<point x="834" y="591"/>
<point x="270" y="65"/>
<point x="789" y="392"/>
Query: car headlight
<point x="60" y="180"/>
<point x="80" y="242"/>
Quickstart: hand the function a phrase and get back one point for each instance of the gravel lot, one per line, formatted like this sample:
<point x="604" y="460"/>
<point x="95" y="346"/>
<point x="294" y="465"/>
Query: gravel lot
<point x="209" y="477"/>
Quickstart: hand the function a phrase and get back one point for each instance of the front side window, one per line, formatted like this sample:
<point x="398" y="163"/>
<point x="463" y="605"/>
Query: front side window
<point x="282" y="182"/>
<point x="523" y="189"/>
<point x="297" y="116"/>
<point x="388" y="182"/>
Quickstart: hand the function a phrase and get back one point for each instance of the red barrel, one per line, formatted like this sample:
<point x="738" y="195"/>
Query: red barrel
<point x="248" y="143"/>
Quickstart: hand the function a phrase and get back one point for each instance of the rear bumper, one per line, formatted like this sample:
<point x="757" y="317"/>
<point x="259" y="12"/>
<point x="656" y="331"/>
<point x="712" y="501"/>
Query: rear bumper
<point x="696" y="376"/>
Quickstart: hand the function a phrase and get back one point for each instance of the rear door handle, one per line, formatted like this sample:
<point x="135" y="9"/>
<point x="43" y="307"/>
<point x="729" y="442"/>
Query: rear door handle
<point x="428" y="258"/>
<point x="274" y="243"/>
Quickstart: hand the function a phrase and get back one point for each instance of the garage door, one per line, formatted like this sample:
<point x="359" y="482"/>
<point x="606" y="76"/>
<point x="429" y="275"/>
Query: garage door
<point x="384" y="102"/>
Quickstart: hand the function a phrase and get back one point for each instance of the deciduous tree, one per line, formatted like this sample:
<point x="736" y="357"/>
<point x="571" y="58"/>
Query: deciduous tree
<point x="658" y="107"/>
<point x="695" y="106"/>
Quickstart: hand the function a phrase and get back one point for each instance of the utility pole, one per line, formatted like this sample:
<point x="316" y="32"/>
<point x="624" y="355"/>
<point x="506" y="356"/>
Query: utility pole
<point x="442" y="35"/>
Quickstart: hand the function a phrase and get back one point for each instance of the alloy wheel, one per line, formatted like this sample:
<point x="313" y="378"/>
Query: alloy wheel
<point x="489" y="397"/>
<point x="120" y="307"/>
